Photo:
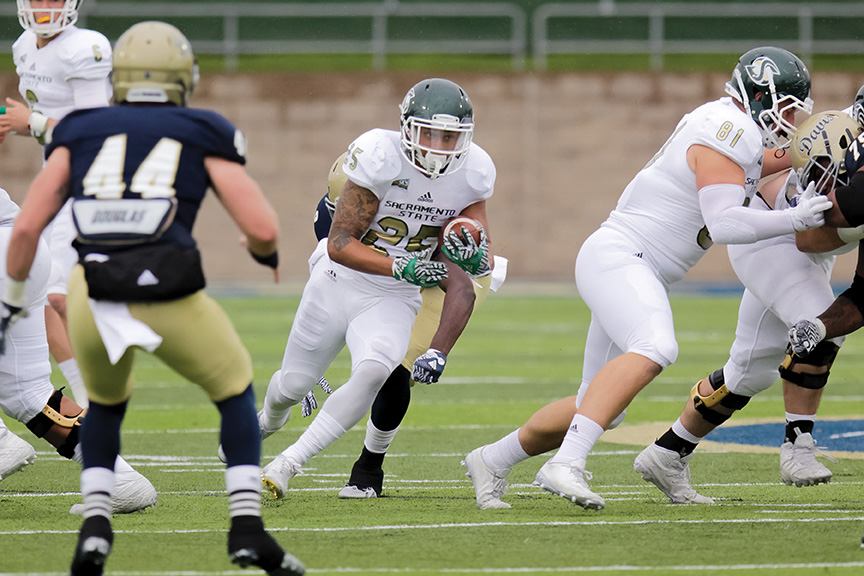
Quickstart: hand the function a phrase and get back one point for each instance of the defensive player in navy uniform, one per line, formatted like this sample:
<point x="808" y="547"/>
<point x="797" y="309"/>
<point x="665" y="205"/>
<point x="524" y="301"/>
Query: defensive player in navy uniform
<point x="440" y="322"/>
<point x="138" y="172"/>
<point x="402" y="186"/>
<point x="846" y="313"/>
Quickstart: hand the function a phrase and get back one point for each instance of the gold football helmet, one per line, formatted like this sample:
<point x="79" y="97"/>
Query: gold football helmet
<point x="819" y="147"/>
<point x="153" y="62"/>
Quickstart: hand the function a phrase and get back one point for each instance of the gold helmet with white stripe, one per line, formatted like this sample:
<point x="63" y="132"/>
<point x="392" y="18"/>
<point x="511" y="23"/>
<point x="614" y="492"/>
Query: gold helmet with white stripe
<point x="154" y="62"/>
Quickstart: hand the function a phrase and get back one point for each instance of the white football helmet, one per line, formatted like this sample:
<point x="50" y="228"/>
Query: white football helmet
<point x="58" y="19"/>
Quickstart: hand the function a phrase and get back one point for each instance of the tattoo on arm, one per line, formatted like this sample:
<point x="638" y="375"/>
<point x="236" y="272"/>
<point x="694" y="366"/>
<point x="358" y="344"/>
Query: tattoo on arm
<point x="355" y="210"/>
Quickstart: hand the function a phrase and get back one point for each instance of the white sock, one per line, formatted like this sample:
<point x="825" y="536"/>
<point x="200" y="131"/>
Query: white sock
<point x="323" y="431"/>
<point x="682" y="432"/>
<point x="505" y="453"/>
<point x="793" y="417"/>
<point x="97" y="487"/>
<point x="70" y="371"/>
<point x="244" y="490"/>
<point x="580" y="438"/>
<point x="378" y="441"/>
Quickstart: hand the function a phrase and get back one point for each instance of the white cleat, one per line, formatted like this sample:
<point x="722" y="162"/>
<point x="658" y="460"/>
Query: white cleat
<point x="132" y="493"/>
<point x="568" y="481"/>
<point x="489" y="484"/>
<point x="277" y="474"/>
<point x="798" y="464"/>
<point x="670" y="473"/>
<point x="15" y="453"/>
<point x="351" y="492"/>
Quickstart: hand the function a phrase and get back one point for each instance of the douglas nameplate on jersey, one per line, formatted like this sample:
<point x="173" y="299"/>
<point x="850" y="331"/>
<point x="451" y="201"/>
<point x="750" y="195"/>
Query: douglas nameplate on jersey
<point x="127" y="220"/>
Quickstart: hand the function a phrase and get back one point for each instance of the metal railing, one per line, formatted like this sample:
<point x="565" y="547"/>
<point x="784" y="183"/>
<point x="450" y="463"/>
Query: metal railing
<point x="373" y="32"/>
<point x="378" y="45"/>
<point x="657" y="45"/>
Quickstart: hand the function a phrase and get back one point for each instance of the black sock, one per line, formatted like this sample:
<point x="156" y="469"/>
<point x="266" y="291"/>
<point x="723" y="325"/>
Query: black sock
<point x="798" y="427"/>
<point x="675" y="443"/>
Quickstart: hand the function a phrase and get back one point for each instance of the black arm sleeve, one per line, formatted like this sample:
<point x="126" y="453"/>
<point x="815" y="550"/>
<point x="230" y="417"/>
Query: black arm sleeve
<point x="850" y="200"/>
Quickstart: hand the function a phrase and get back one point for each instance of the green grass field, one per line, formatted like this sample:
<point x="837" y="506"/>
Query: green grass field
<point x="517" y="354"/>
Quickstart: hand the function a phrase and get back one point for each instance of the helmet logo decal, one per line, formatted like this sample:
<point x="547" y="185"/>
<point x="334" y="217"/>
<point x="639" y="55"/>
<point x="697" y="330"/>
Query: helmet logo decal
<point x="762" y="70"/>
<point x="806" y="143"/>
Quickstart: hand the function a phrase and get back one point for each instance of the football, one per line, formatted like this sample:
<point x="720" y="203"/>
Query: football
<point x="473" y="226"/>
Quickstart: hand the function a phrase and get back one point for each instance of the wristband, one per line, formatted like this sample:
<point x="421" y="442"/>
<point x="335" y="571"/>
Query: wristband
<point x="14" y="295"/>
<point x="848" y="235"/>
<point x="271" y="260"/>
<point x="38" y="124"/>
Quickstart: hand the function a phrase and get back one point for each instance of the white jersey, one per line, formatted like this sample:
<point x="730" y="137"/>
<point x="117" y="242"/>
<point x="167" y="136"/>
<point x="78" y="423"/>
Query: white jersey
<point x="8" y="209"/>
<point x="659" y="210"/>
<point x="412" y="207"/>
<point x="45" y="73"/>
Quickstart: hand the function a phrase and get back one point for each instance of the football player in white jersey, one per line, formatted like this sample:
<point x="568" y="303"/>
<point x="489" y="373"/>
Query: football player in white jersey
<point x="764" y="317"/>
<point x="26" y="391"/>
<point x="364" y="289"/>
<point x="440" y="322"/>
<point x="60" y="68"/>
<point x="694" y="192"/>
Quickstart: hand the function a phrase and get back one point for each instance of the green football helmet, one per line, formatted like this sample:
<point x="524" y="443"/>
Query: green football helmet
<point x="153" y="62"/>
<point x="819" y="148"/>
<point x="858" y="107"/>
<point x="766" y="82"/>
<point x="438" y="105"/>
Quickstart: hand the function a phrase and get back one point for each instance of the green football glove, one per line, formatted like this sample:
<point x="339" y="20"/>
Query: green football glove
<point x="461" y="248"/>
<point x="419" y="270"/>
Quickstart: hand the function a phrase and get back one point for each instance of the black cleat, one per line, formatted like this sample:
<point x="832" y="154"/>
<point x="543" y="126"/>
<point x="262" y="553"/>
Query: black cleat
<point x="94" y="545"/>
<point x="250" y="545"/>
<point x="367" y="477"/>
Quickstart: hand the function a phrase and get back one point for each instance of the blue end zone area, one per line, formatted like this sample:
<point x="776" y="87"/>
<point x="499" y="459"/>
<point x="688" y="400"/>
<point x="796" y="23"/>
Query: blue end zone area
<point x="843" y="435"/>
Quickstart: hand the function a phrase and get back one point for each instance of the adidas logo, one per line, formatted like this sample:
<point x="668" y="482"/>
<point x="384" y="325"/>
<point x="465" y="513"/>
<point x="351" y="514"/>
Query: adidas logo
<point x="574" y="428"/>
<point x="147" y="278"/>
<point x="331" y="274"/>
<point x="638" y="254"/>
<point x="427" y="197"/>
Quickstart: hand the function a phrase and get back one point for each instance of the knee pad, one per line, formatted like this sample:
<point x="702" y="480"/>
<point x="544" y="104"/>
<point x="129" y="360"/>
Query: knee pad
<point x="67" y="449"/>
<point x="50" y="415"/>
<point x="721" y="396"/>
<point x="822" y="356"/>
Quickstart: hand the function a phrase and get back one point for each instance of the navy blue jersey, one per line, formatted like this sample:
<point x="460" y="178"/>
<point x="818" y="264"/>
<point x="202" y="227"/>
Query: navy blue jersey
<point x="854" y="159"/>
<point x="323" y="219"/>
<point x="137" y="180"/>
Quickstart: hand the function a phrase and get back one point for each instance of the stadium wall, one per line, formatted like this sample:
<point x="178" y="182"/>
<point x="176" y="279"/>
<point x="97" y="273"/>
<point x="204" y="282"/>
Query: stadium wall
<point x="565" y="146"/>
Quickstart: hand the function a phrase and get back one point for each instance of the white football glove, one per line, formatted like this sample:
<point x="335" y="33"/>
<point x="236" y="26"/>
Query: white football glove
<point x="419" y="270"/>
<point x="808" y="213"/>
<point x="805" y="335"/>
<point x="429" y="366"/>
